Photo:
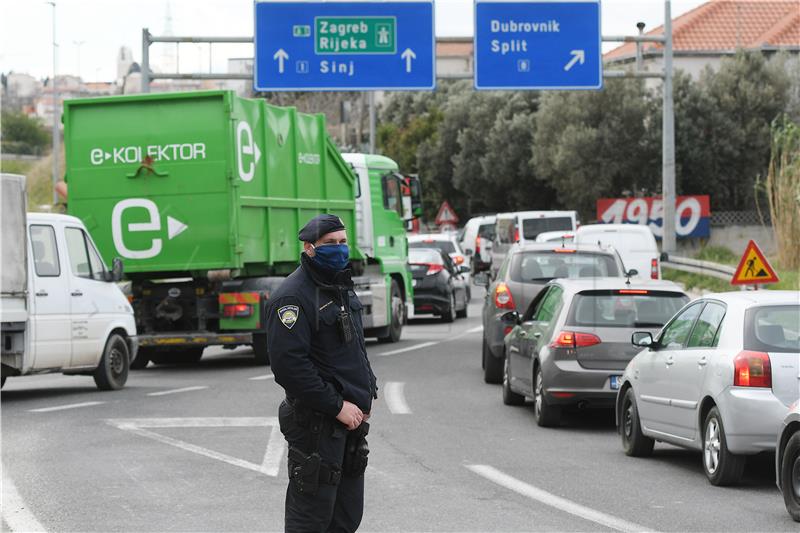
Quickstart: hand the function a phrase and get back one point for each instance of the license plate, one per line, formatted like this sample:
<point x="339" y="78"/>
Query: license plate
<point x="615" y="380"/>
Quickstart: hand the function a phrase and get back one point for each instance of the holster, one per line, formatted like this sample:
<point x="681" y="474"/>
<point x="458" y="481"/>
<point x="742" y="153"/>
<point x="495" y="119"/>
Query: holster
<point x="307" y="472"/>
<point x="356" y="452"/>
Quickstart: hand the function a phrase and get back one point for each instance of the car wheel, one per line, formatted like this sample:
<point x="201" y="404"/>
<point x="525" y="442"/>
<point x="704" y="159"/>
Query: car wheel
<point x="509" y="396"/>
<point x="634" y="442"/>
<point x="790" y="476"/>
<point x="492" y="366"/>
<point x="449" y="314"/>
<point x="259" y="346"/>
<point x="112" y="372"/>
<point x="546" y="415"/>
<point x="396" y="324"/>
<point x="720" y="465"/>
<point x="463" y="312"/>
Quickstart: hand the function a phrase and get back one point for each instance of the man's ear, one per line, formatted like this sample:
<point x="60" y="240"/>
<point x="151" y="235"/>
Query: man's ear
<point x="308" y="249"/>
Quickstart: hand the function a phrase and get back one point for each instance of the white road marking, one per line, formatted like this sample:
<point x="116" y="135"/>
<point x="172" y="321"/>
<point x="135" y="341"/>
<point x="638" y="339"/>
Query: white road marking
<point x="261" y="378"/>
<point x="562" y="504"/>
<point x="62" y="407"/>
<point x="395" y="400"/>
<point x="175" y="391"/>
<point x="16" y="513"/>
<point x="408" y="348"/>
<point x="276" y="446"/>
<point x="464" y="334"/>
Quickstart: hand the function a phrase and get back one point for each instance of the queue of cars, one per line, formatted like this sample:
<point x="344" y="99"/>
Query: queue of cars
<point x="581" y="319"/>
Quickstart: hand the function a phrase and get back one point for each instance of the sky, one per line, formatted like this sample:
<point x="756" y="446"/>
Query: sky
<point x="89" y="33"/>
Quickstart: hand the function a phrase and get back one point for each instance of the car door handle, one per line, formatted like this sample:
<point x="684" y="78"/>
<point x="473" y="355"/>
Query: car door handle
<point x="702" y="362"/>
<point x="670" y="361"/>
<point x="41" y="293"/>
<point x="77" y="293"/>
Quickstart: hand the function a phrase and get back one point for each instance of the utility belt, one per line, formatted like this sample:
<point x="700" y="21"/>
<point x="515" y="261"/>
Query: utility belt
<point x="307" y="470"/>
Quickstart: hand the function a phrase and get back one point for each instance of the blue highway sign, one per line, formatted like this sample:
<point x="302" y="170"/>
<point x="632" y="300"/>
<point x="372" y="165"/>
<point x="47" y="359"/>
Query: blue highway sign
<point x="538" y="45"/>
<point x="344" y="46"/>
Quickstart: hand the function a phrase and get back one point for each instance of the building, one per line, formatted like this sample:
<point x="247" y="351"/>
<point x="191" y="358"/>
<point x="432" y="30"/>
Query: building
<point x="717" y="29"/>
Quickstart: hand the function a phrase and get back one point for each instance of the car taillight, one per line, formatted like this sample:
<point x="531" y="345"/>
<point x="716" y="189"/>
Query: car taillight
<point x="516" y="235"/>
<point x="237" y="310"/>
<point x="478" y="246"/>
<point x="433" y="269"/>
<point x="570" y="339"/>
<point x="752" y="369"/>
<point x="654" y="268"/>
<point x="502" y="297"/>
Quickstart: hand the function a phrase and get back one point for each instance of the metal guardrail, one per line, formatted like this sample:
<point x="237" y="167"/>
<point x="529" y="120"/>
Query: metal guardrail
<point x="695" y="266"/>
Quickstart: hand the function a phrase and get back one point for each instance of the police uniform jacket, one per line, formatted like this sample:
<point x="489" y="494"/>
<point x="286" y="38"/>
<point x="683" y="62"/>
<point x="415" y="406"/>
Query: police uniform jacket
<point x="308" y="354"/>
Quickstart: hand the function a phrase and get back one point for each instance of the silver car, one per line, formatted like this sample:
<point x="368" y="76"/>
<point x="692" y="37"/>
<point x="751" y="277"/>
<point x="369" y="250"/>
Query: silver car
<point x="718" y="378"/>
<point x="787" y="461"/>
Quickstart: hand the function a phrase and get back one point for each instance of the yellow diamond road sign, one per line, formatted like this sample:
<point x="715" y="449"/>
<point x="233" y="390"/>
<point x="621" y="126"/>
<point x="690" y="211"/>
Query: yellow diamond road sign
<point x="754" y="268"/>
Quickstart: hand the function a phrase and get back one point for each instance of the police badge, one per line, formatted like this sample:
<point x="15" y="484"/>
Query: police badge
<point x="288" y="315"/>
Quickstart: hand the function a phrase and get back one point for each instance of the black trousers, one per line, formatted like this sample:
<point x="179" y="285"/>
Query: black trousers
<point x="334" y="507"/>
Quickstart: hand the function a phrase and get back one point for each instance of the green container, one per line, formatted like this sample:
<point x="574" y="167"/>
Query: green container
<point x="183" y="183"/>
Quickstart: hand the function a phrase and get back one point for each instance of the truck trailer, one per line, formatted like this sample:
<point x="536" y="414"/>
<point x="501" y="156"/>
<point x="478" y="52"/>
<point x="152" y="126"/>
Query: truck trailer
<point x="202" y="194"/>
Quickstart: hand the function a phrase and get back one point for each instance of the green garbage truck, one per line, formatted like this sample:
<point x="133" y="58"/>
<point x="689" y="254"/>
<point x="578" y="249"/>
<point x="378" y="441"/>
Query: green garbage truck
<point x="201" y="196"/>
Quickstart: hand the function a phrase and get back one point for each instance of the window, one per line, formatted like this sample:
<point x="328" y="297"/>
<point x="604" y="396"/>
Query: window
<point x="544" y="266"/>
<point x="445" y="246"/>
<point x="45" y="251"/>
<point x="486" y="231"/>
<point x="505" y="230"/>
<point x="612" y="309"/>
<point x="532" y="227"/>
<point x="392" y="199"/>
<point x="675" y="334"/>
<point x="83" y="258"/>
<point x="704" y="334"/>
<point x="772" y="329"/>
<point x="549" y="305"/>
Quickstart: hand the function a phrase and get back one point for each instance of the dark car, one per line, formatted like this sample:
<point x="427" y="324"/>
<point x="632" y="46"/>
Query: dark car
<point x="572" y="345"/>
<point x="522" y="275"/>
<point x="439" y="288"/>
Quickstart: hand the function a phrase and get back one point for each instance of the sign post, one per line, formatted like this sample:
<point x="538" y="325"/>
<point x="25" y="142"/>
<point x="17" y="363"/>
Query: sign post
<point x="753" y="268"/>
<point x="344" y="46"/>
<point x="538" y="44"/>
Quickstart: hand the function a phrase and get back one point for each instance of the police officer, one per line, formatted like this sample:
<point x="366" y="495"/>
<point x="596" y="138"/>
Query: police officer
<point x="316" y="344"/>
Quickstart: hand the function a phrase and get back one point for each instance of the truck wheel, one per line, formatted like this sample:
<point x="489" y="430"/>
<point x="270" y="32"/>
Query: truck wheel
<point x="260" y="353"/>
<point x="142" y="359"/>
<point x="396" y="321"/>
<point x="112" y="372"/>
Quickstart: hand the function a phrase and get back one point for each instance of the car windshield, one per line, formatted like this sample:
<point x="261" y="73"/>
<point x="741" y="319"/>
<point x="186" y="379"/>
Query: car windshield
<point x="531" y="227"/>
<point x="546" y="265"/>
<point x="445" y="246"/>
<point x="628" y="308"/>
<point x="773" y="329"/>
<point x="425" y="256"/>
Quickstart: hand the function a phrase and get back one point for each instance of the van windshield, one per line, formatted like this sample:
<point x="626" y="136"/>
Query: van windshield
<point x="543" y="266"/>
<point x="532" y="227"/>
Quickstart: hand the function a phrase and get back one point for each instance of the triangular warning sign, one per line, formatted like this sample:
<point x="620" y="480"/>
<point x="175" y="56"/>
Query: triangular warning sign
<point x="754" y="269"/>
<point x="446" y="215"/>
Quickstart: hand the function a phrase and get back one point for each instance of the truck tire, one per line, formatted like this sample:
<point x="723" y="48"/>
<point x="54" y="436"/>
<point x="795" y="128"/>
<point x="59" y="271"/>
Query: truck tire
<point x="142" y="359"/>
<point x="260" y="353"/>
<point x="395" y="329"/>
<point x="112" y="372"/>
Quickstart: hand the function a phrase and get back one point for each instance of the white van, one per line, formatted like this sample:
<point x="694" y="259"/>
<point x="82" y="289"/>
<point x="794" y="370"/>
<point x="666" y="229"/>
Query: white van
<point x="634" y="242"/>
<point x="61" y="308"/>
<point x="524" y="226"/>
<point x="475" y="239"/>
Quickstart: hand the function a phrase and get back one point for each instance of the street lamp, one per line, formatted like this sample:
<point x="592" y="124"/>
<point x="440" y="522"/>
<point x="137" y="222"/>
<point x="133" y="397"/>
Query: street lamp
<point x="55" y="110"/>
<point x="78" y="45"/>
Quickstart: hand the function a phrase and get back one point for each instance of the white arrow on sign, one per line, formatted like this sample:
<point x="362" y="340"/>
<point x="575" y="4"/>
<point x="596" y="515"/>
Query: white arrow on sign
<point x="577" y="56"/>
<point x="408" y="55"/>
<point x="175" y="227"/>
<point x="276" y="445"/>
<point x="281" y="56"/>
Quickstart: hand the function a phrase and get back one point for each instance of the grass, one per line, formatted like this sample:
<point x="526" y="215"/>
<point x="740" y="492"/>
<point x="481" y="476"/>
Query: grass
<point x="718" y="254"/>
<point x="39" y="180"/>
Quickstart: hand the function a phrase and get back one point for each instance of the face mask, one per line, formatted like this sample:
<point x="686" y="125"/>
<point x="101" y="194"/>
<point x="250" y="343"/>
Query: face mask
<point x="332" y="256"/>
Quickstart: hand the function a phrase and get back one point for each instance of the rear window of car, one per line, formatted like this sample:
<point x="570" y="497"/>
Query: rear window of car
<point x="540" y="266"/>
<point x="445" y="246"/>
<point x="425" y="256"/>
<point x="505" y="230"/>
<point x="531" y="227"/>
<point x="624" y="308"/>
<point x="773" y="329"/>
<point x="486" y="231"/>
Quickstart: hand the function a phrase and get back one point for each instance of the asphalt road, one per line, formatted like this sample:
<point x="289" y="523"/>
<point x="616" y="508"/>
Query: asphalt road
<point x="196" y="449"/>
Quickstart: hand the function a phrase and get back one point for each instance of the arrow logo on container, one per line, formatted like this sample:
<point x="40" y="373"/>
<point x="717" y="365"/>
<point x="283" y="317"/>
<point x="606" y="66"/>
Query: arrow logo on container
<point x="175" y="227"/>
<point x="408" y="55"/>
<point x="577" y="56"/>
<point x="281" y="56"/>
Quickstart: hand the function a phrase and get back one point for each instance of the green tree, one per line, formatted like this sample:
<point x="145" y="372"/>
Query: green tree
<point x="22" y="134"/>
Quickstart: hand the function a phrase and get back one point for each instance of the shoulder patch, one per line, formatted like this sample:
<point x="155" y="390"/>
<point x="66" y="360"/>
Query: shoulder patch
<point x="288" y="315"/>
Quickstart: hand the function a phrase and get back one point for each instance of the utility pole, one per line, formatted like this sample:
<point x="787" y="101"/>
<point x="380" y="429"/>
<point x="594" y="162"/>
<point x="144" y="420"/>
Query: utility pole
<point x="55" y="110"/>
<point x="668" y="243"/>
<point x="78" y="45"/>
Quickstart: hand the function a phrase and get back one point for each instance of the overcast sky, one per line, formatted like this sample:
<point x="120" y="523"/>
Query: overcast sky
<point x="89" y="33"/>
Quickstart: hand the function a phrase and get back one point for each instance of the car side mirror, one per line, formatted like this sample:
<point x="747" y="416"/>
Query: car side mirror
<point x="632" y="272"/>
<point x="116" y="269"/>
<point x="511" y="317"/>
<point x="642" y="339"/>
<point x="481" y="279"/>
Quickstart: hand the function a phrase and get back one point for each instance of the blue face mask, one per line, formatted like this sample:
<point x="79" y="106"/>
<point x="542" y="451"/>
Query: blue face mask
<point x="332" y="256"/>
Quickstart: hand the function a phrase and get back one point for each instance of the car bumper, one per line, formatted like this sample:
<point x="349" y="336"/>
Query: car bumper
<point x="752" y="419"/>
<point x="568" y="383"/>
<point x="430" y="302"/>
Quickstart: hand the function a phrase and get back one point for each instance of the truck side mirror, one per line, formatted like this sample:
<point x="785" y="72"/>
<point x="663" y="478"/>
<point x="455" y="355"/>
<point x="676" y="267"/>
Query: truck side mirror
<point x="416" y="194"/>
<point x="116" y="269"/>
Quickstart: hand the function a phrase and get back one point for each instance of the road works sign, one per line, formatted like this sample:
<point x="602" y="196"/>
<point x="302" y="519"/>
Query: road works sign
<point x="754" y="269"/>
<point x="538" y="44"/>
<point x="446" y="215"/>
<point x="333" y="46"/>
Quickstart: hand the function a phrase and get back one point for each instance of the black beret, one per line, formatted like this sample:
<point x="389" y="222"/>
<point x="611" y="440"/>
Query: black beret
<point x="318" y="226"/>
